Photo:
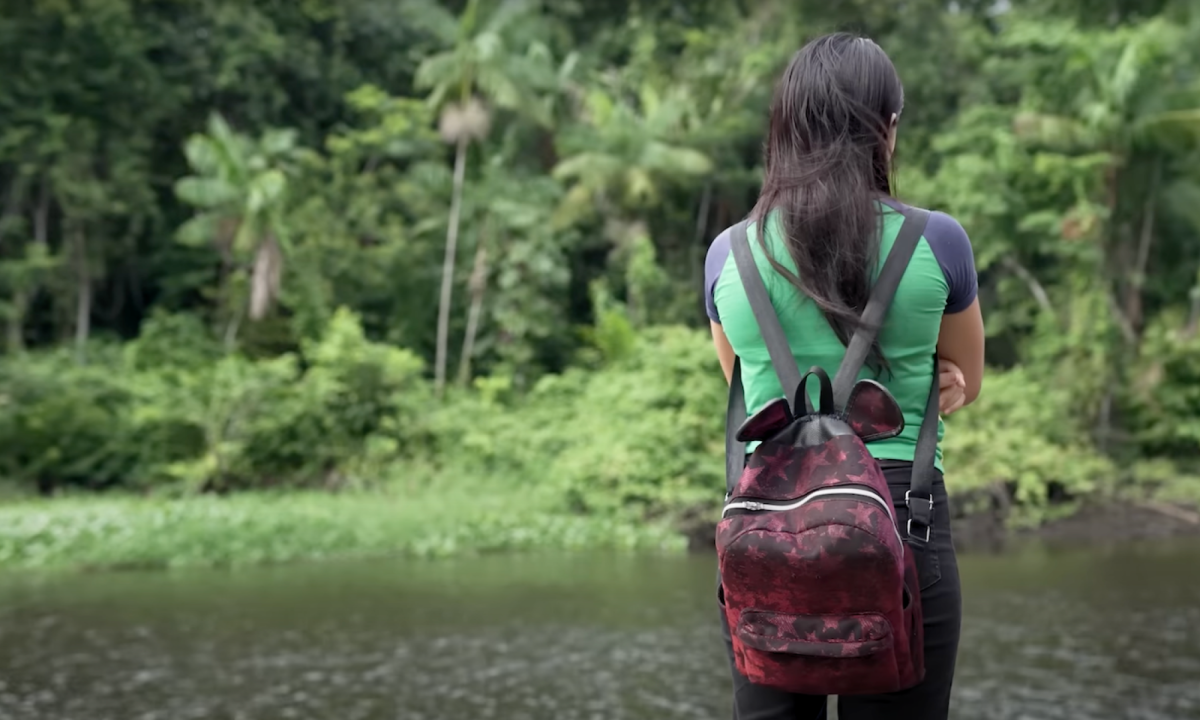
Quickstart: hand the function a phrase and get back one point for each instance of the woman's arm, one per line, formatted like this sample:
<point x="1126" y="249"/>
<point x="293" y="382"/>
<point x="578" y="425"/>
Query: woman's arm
<point x="961" y="342"/>
<point x="960" y="338"/>
<point x="724" y="350"/>
<point x="951" y="387"/>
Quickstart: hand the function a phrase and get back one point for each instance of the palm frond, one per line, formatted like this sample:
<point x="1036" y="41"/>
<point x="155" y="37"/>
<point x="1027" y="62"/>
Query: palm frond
<point x="431" y="17"/>
<point x="199" y="230"/>
<point x="674" y="161"/>
<point x="202" y="155"/>
<point x="265" y="190"/>
<point x="1173" y="128"/>
<point x="499" y="87"/>
<point x="206" y="192"/>
<point x="442" y="71"/>
<point x="598" y="167"/>
<point x="508" y="13"/>
<point x="1056" y="131"/>
<point x="276" y="143"/>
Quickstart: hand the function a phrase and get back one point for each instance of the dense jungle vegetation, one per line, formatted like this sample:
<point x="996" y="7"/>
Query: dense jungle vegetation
<point x="434" y="251"/>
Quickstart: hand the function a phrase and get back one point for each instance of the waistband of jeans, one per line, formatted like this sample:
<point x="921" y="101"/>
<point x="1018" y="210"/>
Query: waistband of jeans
<point x="891" y="467"/>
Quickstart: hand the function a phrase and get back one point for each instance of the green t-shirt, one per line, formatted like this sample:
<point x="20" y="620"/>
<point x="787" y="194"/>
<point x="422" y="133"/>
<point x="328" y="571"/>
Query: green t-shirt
<point x="939" y="279"/>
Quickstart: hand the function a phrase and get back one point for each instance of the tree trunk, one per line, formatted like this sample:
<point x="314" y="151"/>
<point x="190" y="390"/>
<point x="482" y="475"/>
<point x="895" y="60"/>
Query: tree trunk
<point x="1193" y="321"/>
<point x="12" y="205"/>
<point x="227" y="316"/>
<point x="1127" y="330"/>
<point x="83" y="305"/>
<point x="1104" y="422"/>
<point x="231" y="330"/>
<point x="478" y="284"/>
<point x="1118" y="257"/>
<point x="266" y="277"/>
<point x="41" y="213"/>
<point x="1137" y="281"/>
<point x="1035" y="288"/>
<point x="695" y="261"/>
<point x="15" y="335"/>
<point x="443" y="326"/>
<point x="1192" y="325"/>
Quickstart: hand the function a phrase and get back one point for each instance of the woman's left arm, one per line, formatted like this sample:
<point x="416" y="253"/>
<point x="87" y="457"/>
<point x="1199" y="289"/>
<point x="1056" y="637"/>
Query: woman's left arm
<point x="724" y="350"/>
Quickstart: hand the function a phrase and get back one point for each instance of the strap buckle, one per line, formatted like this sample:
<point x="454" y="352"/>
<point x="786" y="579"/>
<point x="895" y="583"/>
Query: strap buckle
<point x="914" y="536"/>
<point x="920" y="511"/>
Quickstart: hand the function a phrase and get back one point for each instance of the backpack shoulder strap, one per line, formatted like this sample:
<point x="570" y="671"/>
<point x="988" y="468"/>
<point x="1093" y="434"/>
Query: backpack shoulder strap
<point x="878" y="303"/>
<point x="735" y="415"/>
<point x="764" y="314"/>
<point x="919" y="497"/>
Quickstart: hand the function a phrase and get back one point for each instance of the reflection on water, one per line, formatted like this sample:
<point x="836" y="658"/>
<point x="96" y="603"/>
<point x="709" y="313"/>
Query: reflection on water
<point x="1084" y="635"/>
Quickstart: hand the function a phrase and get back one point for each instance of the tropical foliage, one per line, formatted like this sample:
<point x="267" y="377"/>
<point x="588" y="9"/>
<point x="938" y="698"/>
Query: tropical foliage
<point x="332" y="245"/>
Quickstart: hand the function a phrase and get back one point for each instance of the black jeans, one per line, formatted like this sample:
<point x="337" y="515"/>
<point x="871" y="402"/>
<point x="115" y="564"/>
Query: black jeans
<point x="941" y="603"/>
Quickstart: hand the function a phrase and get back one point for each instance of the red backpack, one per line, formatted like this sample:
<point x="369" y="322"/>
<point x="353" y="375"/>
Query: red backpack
<point x="819" y="580"/>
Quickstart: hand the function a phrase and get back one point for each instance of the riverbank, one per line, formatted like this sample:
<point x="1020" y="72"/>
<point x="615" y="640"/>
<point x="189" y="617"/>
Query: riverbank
<point x="986" y="520"/>
<point x="125" y="532"/>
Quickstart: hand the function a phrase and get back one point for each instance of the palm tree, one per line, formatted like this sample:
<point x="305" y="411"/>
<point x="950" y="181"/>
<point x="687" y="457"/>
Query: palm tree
<point x="618" y="161"/>
<point x="238" y="188"/>
<point x="479" y="67"/>
<point x="620" y="156"/>
<point x="509" y="223"/>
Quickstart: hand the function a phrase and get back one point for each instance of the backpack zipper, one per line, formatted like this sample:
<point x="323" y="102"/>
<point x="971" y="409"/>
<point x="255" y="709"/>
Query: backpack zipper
<point x="757" y="506"/>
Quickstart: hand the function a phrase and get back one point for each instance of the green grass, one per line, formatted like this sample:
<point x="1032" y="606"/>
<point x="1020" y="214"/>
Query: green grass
<point x="113" y="532"/>
<point x="1183" y="491"/>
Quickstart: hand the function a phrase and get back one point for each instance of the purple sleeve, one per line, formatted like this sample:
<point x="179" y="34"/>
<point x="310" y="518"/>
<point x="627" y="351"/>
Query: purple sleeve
<point x="718" y="255"/>
<point x="952" y="248"/>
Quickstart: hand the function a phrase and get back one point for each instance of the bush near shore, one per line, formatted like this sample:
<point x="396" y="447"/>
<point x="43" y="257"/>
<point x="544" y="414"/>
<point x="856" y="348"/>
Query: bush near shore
<point x="341" y="452"/>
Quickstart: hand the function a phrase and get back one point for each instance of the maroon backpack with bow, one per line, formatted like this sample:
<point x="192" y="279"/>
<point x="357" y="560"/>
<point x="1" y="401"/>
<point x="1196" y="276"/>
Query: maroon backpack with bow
<point x="819" y="579"/>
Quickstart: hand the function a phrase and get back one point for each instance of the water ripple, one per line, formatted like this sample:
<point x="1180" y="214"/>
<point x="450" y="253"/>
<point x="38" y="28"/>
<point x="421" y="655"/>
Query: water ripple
<point x="630" y="640"/>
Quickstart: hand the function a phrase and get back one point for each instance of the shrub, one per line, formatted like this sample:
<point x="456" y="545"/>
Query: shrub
<point x="1022" y="433"/>
<point x="635" y="430"/>
<point x="172" y="412"/>
<point x="62" y="424"/>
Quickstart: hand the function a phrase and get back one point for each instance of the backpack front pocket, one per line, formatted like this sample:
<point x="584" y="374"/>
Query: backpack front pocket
<point x="829" y="636"/>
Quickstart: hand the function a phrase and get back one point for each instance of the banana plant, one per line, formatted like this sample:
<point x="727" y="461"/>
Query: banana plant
<point x="239" y="188"/>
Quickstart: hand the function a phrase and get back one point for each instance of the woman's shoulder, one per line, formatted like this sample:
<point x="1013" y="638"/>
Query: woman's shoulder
<point x="943" y="232"/>
<point x="720" y="250"/>
<point x="951" y="248"/>
<point x="714" y="264"/>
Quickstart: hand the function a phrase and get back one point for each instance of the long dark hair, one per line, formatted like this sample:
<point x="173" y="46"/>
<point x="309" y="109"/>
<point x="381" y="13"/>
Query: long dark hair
<point x="827" y="164"/>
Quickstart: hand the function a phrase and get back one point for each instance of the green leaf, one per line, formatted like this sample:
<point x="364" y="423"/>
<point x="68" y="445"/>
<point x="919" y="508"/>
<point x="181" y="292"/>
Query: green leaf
<point x="199" y="230"/>
<point x="206" y="192"/>
<point x="432" y="18"/>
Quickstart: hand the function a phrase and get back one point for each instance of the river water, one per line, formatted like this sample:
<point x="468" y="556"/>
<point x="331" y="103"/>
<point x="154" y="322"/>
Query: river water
<point x="1084" y="635"/>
